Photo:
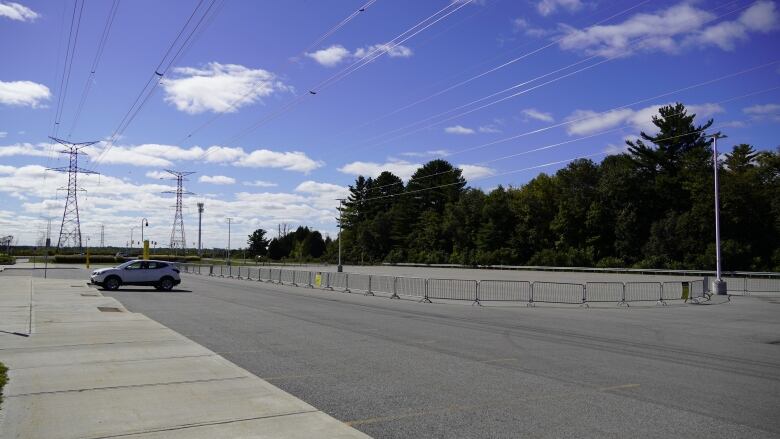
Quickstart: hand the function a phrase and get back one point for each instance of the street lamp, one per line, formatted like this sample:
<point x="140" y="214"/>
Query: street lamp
<point x="131" y="236"/>
<point x="340" y="268"/>
<point x="144" y="223"/>
<point x="718" y="285"/>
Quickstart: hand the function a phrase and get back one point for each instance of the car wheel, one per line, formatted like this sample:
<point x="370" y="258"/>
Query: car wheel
<point x="112" y="283"/>
<point x="166" y="284"/>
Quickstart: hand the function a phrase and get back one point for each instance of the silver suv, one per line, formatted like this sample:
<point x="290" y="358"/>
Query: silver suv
<point x="159" y="274"/>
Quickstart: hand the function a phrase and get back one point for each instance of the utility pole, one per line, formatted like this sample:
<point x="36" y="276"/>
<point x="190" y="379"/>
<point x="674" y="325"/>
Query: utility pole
<point x="70" y="228"/>
<point x="340" y="268"/>
<point x="102" y="235"/>
<point x="228" y="248"/>
<point x="177" y="232"/>
<point x="200" y="220"/>
<point x="718" y="285"/>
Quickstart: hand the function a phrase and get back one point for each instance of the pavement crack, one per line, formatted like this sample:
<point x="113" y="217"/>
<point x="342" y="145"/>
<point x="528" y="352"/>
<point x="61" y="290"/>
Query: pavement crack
<point x="129" y="386"/>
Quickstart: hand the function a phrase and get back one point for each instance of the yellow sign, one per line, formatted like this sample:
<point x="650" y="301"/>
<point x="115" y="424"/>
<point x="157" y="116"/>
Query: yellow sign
<point x="146" y="249"/>
<point x="87" y="258"/>
<point x="318" y="280"/>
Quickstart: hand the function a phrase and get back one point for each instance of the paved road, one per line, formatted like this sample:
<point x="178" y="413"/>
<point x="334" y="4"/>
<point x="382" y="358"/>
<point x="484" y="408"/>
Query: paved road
<point x="400" y="369"/>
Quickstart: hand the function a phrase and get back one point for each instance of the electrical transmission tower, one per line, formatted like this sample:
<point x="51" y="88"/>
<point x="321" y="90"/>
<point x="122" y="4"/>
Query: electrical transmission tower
<point x="178" y="240"/>
<point x="70" y="228"/>
<point x="102" y="236"/>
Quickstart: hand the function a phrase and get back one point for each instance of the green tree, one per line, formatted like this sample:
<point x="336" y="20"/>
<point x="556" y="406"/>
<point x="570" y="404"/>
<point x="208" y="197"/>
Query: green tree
<point x="258" y="243"/>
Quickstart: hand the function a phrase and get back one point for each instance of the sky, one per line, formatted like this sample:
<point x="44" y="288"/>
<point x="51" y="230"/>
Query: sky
<point x="277" y="106"/>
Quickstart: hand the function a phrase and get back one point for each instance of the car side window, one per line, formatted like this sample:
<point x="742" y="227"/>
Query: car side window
<point x="144" y="265"/>
<point x="134" y="266"/>
<point x="153" y="266"/>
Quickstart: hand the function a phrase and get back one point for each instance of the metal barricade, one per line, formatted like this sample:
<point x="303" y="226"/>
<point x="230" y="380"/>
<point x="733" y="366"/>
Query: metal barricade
<point x="252" y="273"/>
<point x="735" y="285"/>
<point x="411" y="286"/>
<point x="675" y="290"/>
<point x="359" y="282"/>
<point x="287" y="277"/>
<point x="301" y="278"/>
<point x="505" y="290"/>
<point x="762" y="285"/>
<point x="696" y="289"/>
<point x="264" y="275"/>
<point x="558" y="292"/>
<point x="276" y="275"/>
<point x="338" y="281"/>
<point x="452" y="289"/>
<point x="383" y="284"/>
<point x="319" y="279"/>
<point x="643" y="291"/>
<point x="605" y="292"/>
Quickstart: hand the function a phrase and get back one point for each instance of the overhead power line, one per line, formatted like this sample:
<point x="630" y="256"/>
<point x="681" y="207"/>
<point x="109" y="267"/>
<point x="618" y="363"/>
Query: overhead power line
<point x="70" y="53"/>
<point x="519" y="85"/>
<point x="254" y="89"/>
<point x="172" y="53"/>
<point x="372" y="55"/>
<point x="93" y="68"/>
<point x="566" y="142"/>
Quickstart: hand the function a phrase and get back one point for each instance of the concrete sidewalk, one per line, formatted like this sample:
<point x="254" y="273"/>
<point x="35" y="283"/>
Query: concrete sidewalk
<point x="91" y="369"/>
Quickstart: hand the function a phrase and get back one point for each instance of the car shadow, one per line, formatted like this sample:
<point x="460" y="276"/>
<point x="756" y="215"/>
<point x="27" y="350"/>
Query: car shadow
<point x="146" y="290"/>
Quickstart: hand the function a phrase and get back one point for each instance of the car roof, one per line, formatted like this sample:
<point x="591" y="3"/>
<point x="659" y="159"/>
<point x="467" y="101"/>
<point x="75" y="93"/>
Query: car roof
<point x="150" y="260"/>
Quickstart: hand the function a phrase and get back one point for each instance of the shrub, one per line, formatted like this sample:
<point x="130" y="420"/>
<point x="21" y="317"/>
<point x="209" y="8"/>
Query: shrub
<point x="6" y="259"/>
<point x="82" y="259"/>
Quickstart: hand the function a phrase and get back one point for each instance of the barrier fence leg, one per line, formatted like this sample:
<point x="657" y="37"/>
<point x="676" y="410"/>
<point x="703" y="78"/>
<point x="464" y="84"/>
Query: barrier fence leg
<point x="425" y="299"/>
<point x="531" y="297"/>
<point x="311" y="281"/>
<point x="584" y="297"/>
<point x="476" y="295"/>
<point x="623" y="297"/>
<point x="661" y="297"/>
<point x="346" y="283"/>
<point x="369" y="292"/>
<point x="395" y="294"/>
<point x="328" y="286"/>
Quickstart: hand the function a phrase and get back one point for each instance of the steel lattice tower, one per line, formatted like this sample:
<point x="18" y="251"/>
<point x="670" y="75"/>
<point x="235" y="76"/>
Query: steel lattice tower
<point x="70" y="228"/>
<point x="178" y="240"/>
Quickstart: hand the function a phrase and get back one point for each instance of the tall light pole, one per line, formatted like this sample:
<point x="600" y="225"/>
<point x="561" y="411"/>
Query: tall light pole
<point x="200" y="218"/>
<point x="131" y="236"/>
<point x="340" y="268"/>
<point x="718" y="285"/>
<point x="144" y="223"/>
<point x="229" y="220"/>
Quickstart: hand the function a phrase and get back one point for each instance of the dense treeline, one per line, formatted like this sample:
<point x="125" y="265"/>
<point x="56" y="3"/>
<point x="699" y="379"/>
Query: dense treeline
<point x="651" y="206"/>
<point x="303" y="244"/>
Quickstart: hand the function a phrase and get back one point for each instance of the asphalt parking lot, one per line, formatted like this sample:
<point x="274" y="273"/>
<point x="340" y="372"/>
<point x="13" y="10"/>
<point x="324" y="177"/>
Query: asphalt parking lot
<point x="400" y="369"/>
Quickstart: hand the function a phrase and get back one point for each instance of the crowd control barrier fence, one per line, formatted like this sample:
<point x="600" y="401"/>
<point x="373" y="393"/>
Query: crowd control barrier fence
<point x="523" y="291"/>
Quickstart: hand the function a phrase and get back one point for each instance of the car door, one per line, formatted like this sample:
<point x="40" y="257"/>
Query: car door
<point x="153" y="271"/>
<point x="133" y="273"/>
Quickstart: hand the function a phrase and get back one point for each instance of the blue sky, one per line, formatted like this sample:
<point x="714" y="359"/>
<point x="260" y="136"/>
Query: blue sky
<point x="484" y="84"/>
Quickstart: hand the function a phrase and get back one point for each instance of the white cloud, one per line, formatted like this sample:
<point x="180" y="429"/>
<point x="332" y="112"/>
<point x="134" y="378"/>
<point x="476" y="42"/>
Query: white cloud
<point x="216" y="86"/>
<point x="289" y="161"/>
<point x="547" y="7"/>
<point x="762" y="109"/>
<point x="401" y="168"/>
<point x="216" y="179"/>
<point x="670" y="30"/>
<point x="157" y="175"/>
<point x="432" y="153"/>
<point x="25" y="149"/>
<point x="115" y="202"/>
<point x="23" y="93"/>
<point x="260" y="183"/>
<point x="331" y="56"/>
<point x="336" y="53"/>
<point x="393" y="51"/>
<point x="18" y="12"/>
<point x="538" y="115"/>
<point x="3" y="134"/>
<point x="459" y="129"/>
<point x="489" y="129"/>
<point x="588" y="122"/>
<point x="475" y="172"/>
